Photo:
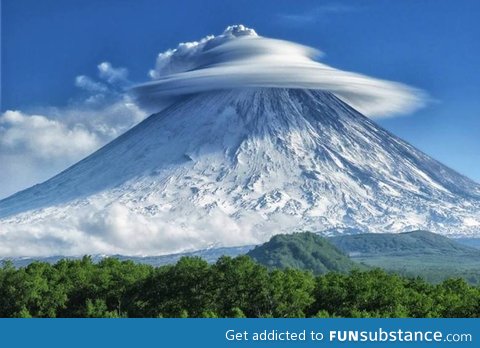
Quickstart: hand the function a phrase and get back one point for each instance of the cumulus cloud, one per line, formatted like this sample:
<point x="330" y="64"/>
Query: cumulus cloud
<point x="110" y="84"/>
<point x="44" y="137"/>
<point x="188" y="55"/>
<point x="113" y="75"/>
<point x="88" y="84"/>
<point x="116" y="229"/>
<point x="37" y="145"/>
<point x="240" y="58"/>
<point x="34" y="147"/>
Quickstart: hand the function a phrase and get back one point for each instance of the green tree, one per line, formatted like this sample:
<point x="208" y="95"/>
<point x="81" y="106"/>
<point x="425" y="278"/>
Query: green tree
<point x="243" y="284"/>
<point x="292" y="293"/>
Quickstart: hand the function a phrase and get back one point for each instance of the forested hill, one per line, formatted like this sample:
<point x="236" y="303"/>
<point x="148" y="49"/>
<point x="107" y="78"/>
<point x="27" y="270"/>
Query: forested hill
<point x="418" y="253"/>
<point x="307" y="251"/>
<point x="235" y="287"/>
<point x="408" y="243"/>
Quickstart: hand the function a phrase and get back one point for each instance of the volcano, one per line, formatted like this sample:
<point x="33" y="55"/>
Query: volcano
<point x="233" y="167"/>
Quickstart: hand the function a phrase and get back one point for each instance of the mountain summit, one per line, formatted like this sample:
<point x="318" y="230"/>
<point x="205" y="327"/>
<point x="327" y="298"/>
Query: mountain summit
<point x="233" y="167"/>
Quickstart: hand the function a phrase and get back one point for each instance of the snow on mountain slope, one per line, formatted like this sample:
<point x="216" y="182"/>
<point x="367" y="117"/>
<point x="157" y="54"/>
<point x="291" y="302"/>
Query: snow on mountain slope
<point x="234" y="167"/>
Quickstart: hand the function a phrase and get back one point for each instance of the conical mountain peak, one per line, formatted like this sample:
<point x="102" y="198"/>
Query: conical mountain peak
<point x="233" y="167"/>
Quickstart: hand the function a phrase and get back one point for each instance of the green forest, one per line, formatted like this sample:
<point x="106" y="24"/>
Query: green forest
<point x="231" y="287"/>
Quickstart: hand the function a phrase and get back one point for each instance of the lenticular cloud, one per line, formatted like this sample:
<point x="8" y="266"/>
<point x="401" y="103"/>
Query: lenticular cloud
<point x="239" y="57"/>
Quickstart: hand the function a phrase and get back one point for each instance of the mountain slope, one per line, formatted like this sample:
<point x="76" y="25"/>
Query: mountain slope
<point x="407" y="243"/>
<point x="306" y="251"/>
<point x="229" y="167"/>
<point x="413" y="254"/>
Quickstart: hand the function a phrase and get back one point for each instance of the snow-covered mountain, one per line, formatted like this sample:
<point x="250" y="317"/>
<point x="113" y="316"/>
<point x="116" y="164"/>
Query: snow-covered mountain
<point x="233" y="167"/>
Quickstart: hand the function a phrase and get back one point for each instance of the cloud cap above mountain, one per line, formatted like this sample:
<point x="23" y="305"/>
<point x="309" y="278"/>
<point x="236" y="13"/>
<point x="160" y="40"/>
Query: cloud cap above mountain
<point x="239" y="57"/>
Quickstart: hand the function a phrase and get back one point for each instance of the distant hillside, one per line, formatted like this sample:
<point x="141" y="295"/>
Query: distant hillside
<point x="417" y="253"/>
<point x="209" y="255"/>
<point x="306" y="251"/>
<point x="408" y="243"/>
<point x="472" y="242"/>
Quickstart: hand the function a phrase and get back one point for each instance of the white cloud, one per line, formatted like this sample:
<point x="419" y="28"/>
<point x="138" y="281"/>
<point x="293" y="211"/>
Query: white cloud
<point x="35" y="147"/>
<point x="188" y="55"/>
<point x="116" y="229"/>
<point x="44" y="138"/>
<point x="89" y="85"/>
<point x="112" y="75"/>
<point x="316" y="14"/>
<point x="240" y="58"/>
<point x="112" y="86"/>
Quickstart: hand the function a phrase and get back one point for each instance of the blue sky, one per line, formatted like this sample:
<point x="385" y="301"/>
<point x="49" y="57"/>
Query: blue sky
<point x="430" y="44"/>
